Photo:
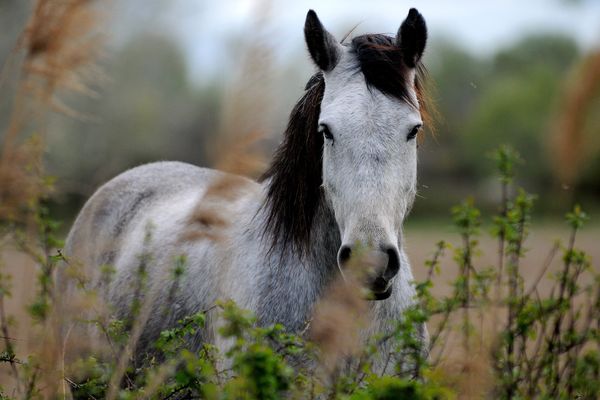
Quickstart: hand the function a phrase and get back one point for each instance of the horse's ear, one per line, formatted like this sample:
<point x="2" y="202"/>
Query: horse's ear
<point x="412" y="37"/>
<point x="322" y="46"/>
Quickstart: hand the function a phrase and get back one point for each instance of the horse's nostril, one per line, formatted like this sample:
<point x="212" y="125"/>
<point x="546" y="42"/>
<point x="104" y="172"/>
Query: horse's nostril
<point x="393" y="265"/>
<point x="344" y="254"/>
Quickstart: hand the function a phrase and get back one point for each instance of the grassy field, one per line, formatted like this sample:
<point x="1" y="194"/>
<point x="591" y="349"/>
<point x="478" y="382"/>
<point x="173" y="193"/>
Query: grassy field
<point x="421" y="238"/>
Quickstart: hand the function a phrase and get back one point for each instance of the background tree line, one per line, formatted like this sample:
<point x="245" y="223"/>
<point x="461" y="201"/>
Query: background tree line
<point x="147" y="107"/>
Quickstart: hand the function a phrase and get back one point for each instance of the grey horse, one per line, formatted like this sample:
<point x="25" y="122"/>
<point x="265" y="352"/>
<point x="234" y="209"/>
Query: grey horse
<point x="344" y="176"/>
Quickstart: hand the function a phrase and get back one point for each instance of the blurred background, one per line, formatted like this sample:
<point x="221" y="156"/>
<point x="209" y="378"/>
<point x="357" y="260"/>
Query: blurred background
<point x="178" y="76"/>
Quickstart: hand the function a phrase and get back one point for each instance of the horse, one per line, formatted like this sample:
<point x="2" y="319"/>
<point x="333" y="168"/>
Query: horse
<point x="343" y="177"/>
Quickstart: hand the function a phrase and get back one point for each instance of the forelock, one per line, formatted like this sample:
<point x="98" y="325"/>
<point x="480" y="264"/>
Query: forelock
<point x="382" y="65"/>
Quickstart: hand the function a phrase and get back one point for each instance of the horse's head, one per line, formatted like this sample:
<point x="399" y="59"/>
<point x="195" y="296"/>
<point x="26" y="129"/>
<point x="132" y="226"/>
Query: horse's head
<point x="369" y="120"/>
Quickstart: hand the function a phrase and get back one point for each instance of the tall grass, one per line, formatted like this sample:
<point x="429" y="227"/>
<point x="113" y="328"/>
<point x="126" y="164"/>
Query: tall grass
<point x="569" y="141"/>
<point x="513" y="341"/>
<point x="55" y="54"/>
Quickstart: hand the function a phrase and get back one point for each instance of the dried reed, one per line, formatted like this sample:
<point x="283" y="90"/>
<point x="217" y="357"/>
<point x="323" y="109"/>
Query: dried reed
<point x="58" y="48"/>
<point x="568" y="143"/>
<point x="339" y="316"/>
<point x="56" y="51"/>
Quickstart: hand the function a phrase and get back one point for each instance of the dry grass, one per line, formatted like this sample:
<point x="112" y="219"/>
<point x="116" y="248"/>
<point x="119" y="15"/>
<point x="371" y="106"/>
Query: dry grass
<point x="341" y="314"/>
<point x="236" y="149"/>
<point x="420" y="243"/>
<point x="569" y="142"/>
<point x="57" y="50"/>
<point x="215" y="210"/>
<point x="21" y="180"/>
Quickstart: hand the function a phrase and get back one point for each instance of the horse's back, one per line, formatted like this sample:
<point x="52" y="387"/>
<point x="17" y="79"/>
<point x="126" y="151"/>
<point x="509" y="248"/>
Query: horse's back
<point x="112" y="210"/>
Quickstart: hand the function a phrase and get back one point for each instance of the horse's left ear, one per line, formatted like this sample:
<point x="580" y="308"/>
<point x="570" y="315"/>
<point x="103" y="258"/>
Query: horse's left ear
<point x="412" y="37"/>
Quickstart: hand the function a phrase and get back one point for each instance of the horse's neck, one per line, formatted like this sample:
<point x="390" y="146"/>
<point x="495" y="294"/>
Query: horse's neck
<point x="325" y="240"/>
<point x="295" y="282"/>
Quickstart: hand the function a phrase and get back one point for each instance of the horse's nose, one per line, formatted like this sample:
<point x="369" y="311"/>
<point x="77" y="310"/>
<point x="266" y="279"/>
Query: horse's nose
<point x="344" y="255"/>
<point x="393" y="265"/>
<point x="380" y="265"/>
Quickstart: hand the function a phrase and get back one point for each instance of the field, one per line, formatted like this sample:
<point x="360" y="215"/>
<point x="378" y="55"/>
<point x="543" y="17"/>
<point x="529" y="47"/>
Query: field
<point x="421" y="239"/>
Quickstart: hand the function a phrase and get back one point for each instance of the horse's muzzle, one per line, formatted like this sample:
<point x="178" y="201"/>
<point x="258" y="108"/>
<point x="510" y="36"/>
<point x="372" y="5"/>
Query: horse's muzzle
<point x="379" y="267"/>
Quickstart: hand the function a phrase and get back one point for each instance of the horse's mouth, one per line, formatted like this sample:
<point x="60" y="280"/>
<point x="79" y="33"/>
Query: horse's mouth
<point x="381" y="295"/>
<point x="380" y="289"/>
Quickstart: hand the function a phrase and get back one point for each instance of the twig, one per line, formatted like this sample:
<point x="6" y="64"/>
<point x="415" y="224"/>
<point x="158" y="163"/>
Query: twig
<point x="544" y="269"/>
<point x="8" y="345"/>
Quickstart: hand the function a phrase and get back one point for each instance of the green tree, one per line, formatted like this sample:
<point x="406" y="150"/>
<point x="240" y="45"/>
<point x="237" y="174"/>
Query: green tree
<point x="516" y="104"/>
<point x="147" y="110"/>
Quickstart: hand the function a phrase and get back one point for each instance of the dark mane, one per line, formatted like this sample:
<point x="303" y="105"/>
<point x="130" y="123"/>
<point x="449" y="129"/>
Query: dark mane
<point x="294" y="191"/>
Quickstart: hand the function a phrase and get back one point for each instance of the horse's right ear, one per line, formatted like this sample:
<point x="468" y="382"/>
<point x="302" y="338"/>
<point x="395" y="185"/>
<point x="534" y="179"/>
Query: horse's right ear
<point x="322" y="46"/>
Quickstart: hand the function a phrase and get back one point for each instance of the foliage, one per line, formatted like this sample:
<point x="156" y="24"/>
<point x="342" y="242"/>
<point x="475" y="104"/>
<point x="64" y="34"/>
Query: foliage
<point x="515" y="95"/>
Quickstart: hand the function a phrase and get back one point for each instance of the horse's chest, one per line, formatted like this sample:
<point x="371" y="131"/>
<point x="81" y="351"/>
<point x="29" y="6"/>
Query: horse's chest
<point x="288" y="297"/>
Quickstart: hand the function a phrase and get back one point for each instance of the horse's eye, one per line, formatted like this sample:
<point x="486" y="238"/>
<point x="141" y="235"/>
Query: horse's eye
<point x="413" y="132"/>
<point x="324" y="130"/>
